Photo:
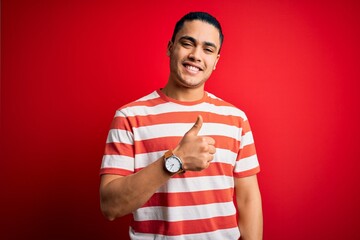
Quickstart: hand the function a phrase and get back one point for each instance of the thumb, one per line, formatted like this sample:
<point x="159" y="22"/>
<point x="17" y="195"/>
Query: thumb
<point x="197" y="126"/>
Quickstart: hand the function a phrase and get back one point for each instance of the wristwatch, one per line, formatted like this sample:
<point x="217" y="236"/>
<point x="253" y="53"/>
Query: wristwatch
<point x="173" y="163"/>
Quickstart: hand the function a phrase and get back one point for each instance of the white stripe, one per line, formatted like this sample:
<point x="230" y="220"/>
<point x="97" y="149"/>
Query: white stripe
<point x="119" y="113"/>
<point x="221" y="156"/>
<point x="213" y="96"/>
<point x="173" y="214"/>
<point x="218" y="129"/>
<point x="224" y="156"/>
<point x="120" y="136"/>
<point x="179" y="129"/>
<point x="169" y="107"/>
<point x="144" y="159"/>
<point x="223" y="234"/>
<point x="193" y="184"/>
<point x="247" y="163"/>
<point x="160" y="130"/>
<point x="118" y="161"/>
<point x="247" y="139"/>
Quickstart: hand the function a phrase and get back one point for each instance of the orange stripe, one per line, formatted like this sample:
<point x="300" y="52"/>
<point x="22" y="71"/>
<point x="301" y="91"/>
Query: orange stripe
<point x="119" y="149"/>
<point x="247" y="151"/>
<point x="175" y="117"/>
<point x="218" y="102"/>
<point x="215" y="169"/>
<point x="226" y="143"/>
<point x="247" y="173"/>
<point x="185" y="227"/>
<point x="121" y="123"/>
<point x="190" y="198"/>
<point x="165" y="143"/>
<point x="156" y="144"/>
<point x="245" y="127"/>
<point x="116" y="171"/>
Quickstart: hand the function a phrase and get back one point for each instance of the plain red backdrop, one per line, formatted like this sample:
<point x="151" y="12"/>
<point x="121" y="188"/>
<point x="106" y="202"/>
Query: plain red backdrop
<point x="66" y="66"/>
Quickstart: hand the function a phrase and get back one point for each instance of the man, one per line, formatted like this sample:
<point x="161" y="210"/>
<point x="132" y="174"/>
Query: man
<point x="176" y="157"/>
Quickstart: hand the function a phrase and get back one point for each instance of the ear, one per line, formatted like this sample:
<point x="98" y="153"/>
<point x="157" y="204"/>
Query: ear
<point x="169" y="48"/>
<point x="216" y="61"/>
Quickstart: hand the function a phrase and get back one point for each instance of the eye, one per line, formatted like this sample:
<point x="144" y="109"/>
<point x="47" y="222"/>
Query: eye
<point x="186" y="44"/>
<point x="209" y="50"/>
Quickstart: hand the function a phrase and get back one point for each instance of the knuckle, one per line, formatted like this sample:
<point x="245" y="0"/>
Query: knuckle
<point x="204" y="148"/>
<point x="202" y="140"/>
<point x="213" y="150"/>
<point x="204" y="165"/>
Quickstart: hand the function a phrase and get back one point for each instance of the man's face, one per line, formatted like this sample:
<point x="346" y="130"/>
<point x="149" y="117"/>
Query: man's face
<point x="193" y="54"/>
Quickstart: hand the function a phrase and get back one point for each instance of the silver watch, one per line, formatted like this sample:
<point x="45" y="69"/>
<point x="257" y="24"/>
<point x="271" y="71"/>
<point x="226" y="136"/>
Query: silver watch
<point x="173" y="163"/>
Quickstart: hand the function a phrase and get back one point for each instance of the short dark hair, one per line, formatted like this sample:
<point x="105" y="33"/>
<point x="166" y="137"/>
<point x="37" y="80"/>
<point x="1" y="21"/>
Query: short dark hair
<point x="202" y="16"/>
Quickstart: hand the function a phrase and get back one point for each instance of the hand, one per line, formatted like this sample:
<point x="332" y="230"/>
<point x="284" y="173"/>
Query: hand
<point x="196" y="152"/>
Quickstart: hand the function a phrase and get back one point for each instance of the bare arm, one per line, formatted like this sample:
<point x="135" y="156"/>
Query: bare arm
<point x="122" y="195"/>
<point x="248" y="199"/>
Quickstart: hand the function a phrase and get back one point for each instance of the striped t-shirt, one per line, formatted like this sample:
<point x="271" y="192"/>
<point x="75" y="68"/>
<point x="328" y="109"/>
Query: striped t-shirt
<point x="193" y="205"/>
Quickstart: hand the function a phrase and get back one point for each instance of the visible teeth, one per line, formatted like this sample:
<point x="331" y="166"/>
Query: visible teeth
<point x="192" y="68"/>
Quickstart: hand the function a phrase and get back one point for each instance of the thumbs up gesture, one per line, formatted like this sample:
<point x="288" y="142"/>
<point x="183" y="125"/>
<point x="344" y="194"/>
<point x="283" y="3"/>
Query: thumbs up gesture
<point x="196" y="152"/>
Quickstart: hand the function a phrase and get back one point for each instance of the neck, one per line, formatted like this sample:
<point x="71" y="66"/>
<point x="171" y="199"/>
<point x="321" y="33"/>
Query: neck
<point x="184" y="94"/>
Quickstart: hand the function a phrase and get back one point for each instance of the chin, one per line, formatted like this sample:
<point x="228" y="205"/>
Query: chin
<point x="189" y="82"/>
<point x="192" y="85"/>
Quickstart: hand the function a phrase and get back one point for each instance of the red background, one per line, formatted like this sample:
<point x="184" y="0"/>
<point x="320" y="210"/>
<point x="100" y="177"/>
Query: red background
<point x="66" y="66"/>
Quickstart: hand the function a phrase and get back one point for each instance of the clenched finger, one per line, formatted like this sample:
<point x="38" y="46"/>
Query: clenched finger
<point x="212" y="149"/>
<point x="209" y="140"/>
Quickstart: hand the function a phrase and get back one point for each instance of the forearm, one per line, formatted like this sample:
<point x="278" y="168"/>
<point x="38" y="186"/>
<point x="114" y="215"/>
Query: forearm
<point x="123" y="195"/>
<point x="251" y="218"/>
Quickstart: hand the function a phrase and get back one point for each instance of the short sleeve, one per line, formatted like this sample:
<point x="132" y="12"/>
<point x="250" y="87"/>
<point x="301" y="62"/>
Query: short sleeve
<point x="118" y="156"/>
<point x="247" y="163"/>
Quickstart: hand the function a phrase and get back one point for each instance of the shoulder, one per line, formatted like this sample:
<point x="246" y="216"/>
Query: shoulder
<point x="145" y="100"/>
<point x="132" y="108"/>
<point x="226" y="107"/>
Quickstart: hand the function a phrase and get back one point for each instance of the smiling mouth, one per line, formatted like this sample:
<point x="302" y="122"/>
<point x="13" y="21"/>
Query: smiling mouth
<point x="192" y="69"/>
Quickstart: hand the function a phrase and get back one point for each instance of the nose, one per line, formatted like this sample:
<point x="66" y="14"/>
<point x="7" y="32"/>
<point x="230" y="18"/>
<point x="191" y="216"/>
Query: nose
<point x="195" y="54"/>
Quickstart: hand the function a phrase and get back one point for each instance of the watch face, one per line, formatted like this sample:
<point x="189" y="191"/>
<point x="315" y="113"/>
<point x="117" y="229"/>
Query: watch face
<point x="172" y="164"/>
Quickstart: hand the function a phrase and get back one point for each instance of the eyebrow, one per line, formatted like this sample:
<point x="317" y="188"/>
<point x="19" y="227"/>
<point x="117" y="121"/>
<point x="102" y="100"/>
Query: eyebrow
<point x="193" y="40"/>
